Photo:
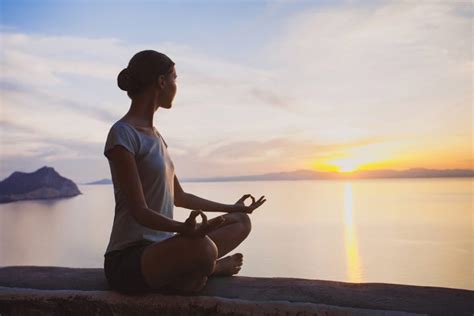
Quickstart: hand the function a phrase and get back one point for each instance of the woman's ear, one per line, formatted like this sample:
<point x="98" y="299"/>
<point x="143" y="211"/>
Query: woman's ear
<point x="161" y="82"/>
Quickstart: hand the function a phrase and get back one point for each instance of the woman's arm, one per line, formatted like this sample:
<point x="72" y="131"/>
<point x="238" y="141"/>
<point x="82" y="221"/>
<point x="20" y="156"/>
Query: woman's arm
<point x="193" y="202"/>
<point x="129" y="181"/>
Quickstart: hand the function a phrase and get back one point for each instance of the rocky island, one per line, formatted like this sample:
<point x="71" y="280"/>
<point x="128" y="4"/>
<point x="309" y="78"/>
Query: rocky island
<point x="44" y="183"/>
<point x="102" y="181"/>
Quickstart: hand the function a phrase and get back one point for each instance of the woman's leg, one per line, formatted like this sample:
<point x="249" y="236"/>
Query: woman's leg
<point x="228" y="237"/>
<point x="170" y="260"/>
<point x="185" y="263"/>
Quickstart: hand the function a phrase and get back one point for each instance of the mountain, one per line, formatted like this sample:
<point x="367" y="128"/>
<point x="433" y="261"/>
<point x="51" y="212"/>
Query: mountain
<point x="44" y="183"/>
<point x="318" y="175"/>
<point x="102" y="181"/>
<point x="364" y="174"/>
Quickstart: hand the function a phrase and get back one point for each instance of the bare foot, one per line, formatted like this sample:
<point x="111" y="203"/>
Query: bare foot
<point x="229" y="265"/>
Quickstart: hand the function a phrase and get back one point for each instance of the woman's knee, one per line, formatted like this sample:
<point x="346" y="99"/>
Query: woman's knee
<point x="206" y="254"/>
<point x="244" y="219"/>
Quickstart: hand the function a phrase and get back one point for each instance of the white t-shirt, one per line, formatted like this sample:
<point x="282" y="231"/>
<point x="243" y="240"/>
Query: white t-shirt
<point x="156" y="172"/>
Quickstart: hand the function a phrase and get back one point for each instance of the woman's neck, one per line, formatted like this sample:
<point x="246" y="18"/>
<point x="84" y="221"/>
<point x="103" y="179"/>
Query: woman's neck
<point x="141" y="112"/>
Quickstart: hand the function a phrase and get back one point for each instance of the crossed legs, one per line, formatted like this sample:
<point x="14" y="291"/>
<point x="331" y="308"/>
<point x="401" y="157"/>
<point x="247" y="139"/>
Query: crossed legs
<point x="185" y="264"/>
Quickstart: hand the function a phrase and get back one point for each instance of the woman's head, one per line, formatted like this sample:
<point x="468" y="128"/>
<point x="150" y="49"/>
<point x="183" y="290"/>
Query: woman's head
<point x="147" y="69"/>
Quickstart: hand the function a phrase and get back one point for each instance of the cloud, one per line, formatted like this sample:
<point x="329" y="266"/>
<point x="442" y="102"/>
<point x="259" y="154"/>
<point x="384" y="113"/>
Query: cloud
<point x="331" y="79"/>
<point x="236" y="158"/>
<point x="378" y="65"/>
<point x="59" y="94"/>
<point x="54" y="101"/>
<point x="41" y="60"/>
<point x="279" y="148"/>
<point x="270" y="97"/>
<point x="27" y="141"/>
<point x="25" y="148"/>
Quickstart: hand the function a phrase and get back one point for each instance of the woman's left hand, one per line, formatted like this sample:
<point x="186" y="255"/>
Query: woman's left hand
<point x="240" y="206"/>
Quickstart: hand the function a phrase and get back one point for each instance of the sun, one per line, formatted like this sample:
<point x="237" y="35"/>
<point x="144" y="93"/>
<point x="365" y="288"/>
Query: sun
<point x="362" y="158"/>
<point x="346" y="165"/>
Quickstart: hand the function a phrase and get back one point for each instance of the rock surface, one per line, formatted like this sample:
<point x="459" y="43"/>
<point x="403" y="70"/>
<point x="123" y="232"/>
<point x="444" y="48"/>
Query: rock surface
<point x="33" y="290"/>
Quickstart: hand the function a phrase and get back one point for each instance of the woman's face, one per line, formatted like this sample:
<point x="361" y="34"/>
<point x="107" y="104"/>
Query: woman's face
<point x="168" y="90"/>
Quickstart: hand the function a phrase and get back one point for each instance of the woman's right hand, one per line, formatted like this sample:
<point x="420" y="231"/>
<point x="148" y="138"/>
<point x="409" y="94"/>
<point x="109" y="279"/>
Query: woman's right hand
<point x="194" y="230"/>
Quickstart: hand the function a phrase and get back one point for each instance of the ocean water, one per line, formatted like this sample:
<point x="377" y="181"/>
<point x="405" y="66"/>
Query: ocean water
<point x="405" y="231"/>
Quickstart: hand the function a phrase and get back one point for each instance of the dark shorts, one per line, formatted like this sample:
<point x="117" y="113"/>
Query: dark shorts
<point x="123" y="269"/>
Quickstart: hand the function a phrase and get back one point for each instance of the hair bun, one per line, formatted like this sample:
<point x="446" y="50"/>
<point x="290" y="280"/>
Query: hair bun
<point x="123" y="79"/>
<point x="142" y="70"/>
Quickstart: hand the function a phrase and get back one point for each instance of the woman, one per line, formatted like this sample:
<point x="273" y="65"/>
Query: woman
<point x="148" y="250"/>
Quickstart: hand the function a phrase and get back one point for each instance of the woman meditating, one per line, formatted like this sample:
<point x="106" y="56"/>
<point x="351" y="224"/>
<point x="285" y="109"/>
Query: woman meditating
<point x="148" y="250"/>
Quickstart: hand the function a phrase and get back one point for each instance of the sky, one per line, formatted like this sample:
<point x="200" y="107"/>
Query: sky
<point x="263" y="86"/>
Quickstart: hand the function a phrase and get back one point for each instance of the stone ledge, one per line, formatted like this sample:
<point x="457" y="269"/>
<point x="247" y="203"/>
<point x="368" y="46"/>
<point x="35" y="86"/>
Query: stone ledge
<point x="33" y="290"/>
<point x="17" y="301"/>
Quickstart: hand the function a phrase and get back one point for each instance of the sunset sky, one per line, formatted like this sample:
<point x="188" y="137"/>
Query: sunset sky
<point x="263" y="86"/>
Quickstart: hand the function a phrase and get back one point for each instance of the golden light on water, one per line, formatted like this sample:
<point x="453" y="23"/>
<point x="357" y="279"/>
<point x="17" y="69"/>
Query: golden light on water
<point x="354" y="273"/>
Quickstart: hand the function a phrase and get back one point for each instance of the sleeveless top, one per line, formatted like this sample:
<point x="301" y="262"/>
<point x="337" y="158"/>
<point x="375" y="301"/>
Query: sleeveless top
<point x="156" y="171"/>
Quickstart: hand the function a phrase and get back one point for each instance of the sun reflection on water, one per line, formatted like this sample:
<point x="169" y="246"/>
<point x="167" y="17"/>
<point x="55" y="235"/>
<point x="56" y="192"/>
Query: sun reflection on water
<point x="354" y="272"/>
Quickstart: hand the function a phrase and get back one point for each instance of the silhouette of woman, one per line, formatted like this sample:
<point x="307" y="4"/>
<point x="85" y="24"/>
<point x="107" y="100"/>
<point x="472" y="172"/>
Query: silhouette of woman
<point x="148" y="250"/>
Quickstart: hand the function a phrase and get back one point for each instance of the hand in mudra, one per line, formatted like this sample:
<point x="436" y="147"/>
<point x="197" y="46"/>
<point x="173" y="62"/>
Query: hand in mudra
<point x="196" y="230"/>
<point x="241" y="207"/>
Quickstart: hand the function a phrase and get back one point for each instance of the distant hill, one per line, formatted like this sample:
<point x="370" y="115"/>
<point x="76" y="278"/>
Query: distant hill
<point x="368" y="174"/>
<point x="318" y="175"/>
<point x="102" y="181"/>
<point x="44" y="183"/>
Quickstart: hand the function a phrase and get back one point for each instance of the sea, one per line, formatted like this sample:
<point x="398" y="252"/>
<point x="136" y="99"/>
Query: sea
<point x="402" y="231"/>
